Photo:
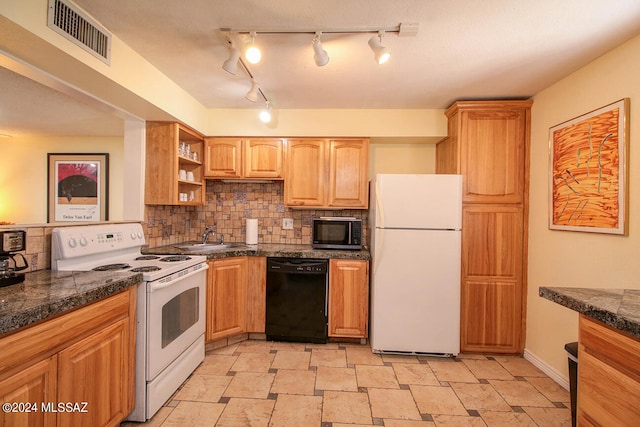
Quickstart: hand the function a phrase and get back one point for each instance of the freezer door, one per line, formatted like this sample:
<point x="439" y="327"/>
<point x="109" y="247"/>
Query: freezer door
<point x="417" y="201"/>
<point x="415" y="291"/>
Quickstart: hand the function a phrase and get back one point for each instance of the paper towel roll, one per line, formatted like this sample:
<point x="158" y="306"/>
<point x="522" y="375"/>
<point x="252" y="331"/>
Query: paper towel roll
<point x="252" y="232"/>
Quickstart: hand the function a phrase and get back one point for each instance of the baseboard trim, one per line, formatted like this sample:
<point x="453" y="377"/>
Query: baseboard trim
<point x="548" y="370"/>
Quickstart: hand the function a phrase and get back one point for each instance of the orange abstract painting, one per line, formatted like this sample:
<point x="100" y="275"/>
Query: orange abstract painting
<point x="588" y="171"/>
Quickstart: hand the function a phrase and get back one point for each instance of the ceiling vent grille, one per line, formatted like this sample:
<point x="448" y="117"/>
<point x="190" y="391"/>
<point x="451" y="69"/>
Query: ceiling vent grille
<point x="69" y="20"/>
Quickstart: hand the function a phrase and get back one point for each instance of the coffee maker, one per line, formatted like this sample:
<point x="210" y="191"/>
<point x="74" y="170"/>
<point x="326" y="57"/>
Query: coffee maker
<point x="11" y="242"/>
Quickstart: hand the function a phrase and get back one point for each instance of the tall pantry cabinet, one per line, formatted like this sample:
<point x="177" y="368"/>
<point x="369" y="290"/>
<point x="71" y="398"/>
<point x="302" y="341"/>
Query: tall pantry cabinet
<point x="488" y="144"/>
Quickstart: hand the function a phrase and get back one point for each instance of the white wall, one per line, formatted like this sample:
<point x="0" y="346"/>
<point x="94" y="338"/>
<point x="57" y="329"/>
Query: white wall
<point x="23" y="174"/>
<point x="428" y="124"/>
<point x="401" y="158"/>
<point x="575" y="259"/>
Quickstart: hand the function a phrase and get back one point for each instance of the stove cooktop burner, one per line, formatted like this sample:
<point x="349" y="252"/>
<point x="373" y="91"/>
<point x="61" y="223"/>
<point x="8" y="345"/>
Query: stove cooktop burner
<point x="147" y="257"/>
<point x="111" y="267"/>
<point x="175" y="258"/>
<point x="146" y="269"/>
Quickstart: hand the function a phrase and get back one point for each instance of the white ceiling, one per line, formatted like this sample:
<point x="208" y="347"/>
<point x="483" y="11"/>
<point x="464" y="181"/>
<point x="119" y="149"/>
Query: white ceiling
<point x="464" y="49"/>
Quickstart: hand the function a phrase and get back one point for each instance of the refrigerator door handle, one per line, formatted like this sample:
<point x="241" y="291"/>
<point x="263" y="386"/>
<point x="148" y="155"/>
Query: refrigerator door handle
<point x="379" y="230"/>
<point x="379" y="246"/>
<point x="380" y="207"/>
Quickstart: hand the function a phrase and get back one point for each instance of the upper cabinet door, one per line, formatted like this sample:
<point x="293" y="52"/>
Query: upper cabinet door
<point x="305" y="173"/>
<point x="348" y="173"/>
<point x="263" y="158"/>
<point x="223" y="158"/>
<point x="494" y="156"/>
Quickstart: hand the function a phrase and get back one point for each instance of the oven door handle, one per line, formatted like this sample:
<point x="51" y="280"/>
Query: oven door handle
<point x="161" y="284"/>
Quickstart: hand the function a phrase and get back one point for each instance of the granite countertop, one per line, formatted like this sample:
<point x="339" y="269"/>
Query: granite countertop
<point x="46" y="293"/>
<point x="618" y="308"/>
<point x="264" y="249"/>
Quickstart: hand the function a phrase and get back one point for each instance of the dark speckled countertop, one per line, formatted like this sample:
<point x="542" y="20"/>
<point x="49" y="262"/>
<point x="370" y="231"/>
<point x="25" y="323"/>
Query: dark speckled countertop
<point x="618" y="308"/>
<point x="46" y="293"/>
<point x="265" y="249"/>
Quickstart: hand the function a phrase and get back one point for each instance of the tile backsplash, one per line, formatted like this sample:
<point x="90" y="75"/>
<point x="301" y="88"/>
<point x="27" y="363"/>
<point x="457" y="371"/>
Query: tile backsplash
<point x="227" y="207"/>
<point x="167" y="225"/>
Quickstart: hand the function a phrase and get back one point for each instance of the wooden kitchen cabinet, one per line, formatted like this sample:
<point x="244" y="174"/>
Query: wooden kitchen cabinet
<point x="242" y="158"/>
<point x="86" y="355"/>
<point x="492" y="292"/>
<point x="348" y="173"/>
<point x="306" y="173"/>
<point x="263" y="158"/>
<point x="227" y="280"/>
<point x="104" y="358"/>
<point x="163" y="184"/>
<point x="34" y="384"/>
<point x="223" y="158"/>
<point x="608" y="375"/>
<point x="257" y="295"/>
<point x="488" y="144"/>
<point x="348" y="298"/>
<point x="327" y="173"/>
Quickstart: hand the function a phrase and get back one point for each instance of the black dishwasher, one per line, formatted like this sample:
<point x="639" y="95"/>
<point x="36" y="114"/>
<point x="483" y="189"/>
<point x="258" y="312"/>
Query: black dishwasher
<point x="297" y="299"/>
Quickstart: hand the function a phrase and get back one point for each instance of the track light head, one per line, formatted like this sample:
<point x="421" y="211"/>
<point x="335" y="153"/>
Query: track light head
<point x="231" y="64"/>
<point x="380" y="52"/>
<point x="265" y="115"/>
<point x="252" y="95"/>
<point x="253" y="53"/>
<point x="320" y="55"/>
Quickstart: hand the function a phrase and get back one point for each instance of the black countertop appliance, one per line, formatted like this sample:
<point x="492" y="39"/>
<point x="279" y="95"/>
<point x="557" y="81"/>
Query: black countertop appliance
<point x="11" y="261"/>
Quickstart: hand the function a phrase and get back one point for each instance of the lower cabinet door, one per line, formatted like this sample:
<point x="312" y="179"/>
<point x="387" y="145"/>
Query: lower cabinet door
<point x="226" y="298"/>
<point x="348" y="298"/>
<point x="491" y="313"/>
<point x="96" y="371"/>
<point x="493" y="284"/>
<point x="257" y="295"/>
<point x="35" y="385"/>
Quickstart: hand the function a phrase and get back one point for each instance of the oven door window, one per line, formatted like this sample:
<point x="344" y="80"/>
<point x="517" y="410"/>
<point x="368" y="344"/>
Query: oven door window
<point x="175" y="318"/>
<point x="179" y="314"/>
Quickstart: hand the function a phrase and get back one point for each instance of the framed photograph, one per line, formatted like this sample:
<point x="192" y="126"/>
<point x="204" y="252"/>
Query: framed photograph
<point x="78" y="187"/>
<point x="588" y="171"/>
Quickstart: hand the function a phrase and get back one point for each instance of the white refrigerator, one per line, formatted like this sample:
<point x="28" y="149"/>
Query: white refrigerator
<point x="415" y="223"/>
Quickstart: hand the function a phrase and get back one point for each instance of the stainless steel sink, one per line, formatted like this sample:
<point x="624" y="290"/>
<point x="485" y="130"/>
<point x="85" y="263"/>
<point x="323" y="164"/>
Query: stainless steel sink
<point x="206" y="247"/>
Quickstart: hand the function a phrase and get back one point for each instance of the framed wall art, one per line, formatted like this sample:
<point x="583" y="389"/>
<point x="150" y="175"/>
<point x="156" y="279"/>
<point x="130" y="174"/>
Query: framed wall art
<point x="78" y="187"/>
<point x="588" y="171"/>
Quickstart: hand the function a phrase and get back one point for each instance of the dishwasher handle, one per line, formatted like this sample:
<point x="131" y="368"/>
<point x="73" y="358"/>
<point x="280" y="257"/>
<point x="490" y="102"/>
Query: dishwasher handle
<point x="298" y="265"/>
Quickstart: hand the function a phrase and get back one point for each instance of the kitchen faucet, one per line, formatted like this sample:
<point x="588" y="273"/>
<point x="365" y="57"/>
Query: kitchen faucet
<point x="207" y="230"/>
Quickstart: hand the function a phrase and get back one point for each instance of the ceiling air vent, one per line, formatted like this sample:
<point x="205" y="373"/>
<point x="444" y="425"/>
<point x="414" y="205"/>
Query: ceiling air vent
<point x="69" y="20"/>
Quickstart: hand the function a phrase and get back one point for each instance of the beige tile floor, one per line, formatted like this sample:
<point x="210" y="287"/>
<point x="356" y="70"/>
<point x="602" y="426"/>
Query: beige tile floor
<point x="261" y="383"/>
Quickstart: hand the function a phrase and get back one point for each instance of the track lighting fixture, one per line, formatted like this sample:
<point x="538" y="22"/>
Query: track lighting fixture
<point x="253" y="54"/>
<point x="231" y="64"/>
<point x="265" y="115"/>
<point x="253" y="93"/>
<point x="320" y="55"/>
<point x="380" y="52"/>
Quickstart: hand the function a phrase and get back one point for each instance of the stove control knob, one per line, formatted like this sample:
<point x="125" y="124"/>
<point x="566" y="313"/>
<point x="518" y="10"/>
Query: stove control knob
<point x="83" y="241"/>
<point x="72" y="243"/>
<point x="140" y="235"/>
<point x="133" y="235"/>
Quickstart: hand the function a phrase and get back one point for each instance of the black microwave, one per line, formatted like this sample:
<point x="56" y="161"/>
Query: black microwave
<point x="337" y="233"/>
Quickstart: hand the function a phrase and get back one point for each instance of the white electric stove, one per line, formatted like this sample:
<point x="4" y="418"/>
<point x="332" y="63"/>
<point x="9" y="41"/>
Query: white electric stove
<point x="171" y="303"/>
